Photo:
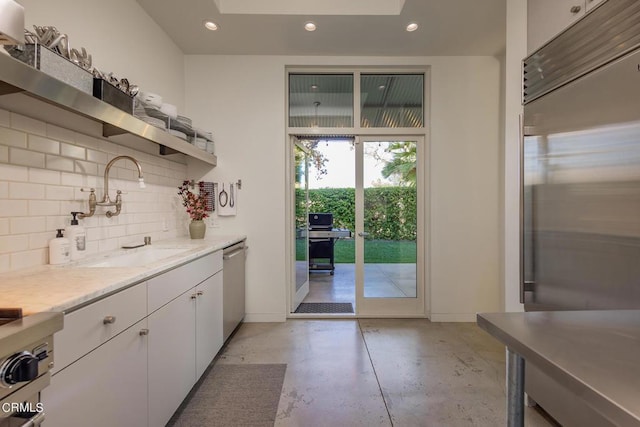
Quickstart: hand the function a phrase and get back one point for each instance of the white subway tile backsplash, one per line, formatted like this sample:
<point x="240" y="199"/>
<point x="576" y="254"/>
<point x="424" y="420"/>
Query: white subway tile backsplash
<point x="13" y="173"/>
<point x="97" y="156"/>
<point x="117" y="231"/>
<point x="13" y="138"/>
<point x="18" y="156"/>
<point x="5" y="118"/>
<point x="44" y="207"/>
<point x="44" y="176"/>
<point x="87" y="141"/>
<point x="25" y="225"/>
<point x="61" y="134"/>
<point x="21" y="190"/>
<point x="44" y="145"/>
<point x="28" y="124"/>
<point x="56" y="222"/>
<point x="68" y="150"/>
<point x="4" y="226"/>
<point x="57" y="192"/>
<point x="42" y="171"/>
<point x="40" y="240"/>
<point x="59" y="163"/>
<point x="14" y="243"/>
<point x="10" y="208"/>
<point x="30" y="258"/>
<point x="86" y="168"/>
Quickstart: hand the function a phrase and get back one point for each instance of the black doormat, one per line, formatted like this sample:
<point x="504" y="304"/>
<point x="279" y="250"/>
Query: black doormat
<point x="325" y="307"/>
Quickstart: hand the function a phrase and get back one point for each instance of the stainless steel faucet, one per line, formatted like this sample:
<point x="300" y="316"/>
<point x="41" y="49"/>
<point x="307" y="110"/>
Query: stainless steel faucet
<point x="106" y="200"/>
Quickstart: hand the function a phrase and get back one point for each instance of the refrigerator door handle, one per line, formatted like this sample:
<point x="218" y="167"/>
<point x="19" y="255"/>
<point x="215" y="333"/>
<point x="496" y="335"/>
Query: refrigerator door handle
<point x="521" y="201"/>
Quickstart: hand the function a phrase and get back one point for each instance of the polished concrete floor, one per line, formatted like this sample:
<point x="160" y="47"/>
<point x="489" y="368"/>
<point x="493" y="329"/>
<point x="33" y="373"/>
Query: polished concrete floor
<point x="381" y="281"/>
<point x="381" y="372"/>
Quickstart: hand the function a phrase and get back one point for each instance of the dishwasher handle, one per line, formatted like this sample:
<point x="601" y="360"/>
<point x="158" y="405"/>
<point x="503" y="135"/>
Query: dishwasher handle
<point x="232" y="254"/>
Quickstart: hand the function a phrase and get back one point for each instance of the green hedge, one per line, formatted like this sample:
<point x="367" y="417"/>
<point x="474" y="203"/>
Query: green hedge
<point x="390" y="212"/>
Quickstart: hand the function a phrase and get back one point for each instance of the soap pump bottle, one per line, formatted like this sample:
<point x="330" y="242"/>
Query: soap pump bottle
<point x="59" y="249"/>
<point x="77" y="238"/>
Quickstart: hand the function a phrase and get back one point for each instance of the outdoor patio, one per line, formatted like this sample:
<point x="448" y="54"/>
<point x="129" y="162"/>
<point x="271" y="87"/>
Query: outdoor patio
<point x="381" y="281"/>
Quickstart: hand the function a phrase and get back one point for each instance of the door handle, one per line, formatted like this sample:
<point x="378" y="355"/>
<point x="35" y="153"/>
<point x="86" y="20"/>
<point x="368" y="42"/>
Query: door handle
<point x="363" y="234"/>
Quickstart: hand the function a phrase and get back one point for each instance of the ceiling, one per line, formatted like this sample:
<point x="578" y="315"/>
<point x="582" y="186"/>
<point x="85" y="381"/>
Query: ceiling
<point x="446" y="27"/>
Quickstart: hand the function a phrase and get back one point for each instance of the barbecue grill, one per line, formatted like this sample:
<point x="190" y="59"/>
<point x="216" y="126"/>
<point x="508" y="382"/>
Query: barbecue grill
<point x="322" y="240"/>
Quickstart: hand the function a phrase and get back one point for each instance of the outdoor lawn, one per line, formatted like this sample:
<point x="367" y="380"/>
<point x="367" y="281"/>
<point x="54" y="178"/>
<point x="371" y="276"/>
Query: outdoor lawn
<point x="375" y="251"/>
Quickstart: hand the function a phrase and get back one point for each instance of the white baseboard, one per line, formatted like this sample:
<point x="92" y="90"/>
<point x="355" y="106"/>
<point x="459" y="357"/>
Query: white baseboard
<point x="453" y="317"/>
<point x="264" y="317"/>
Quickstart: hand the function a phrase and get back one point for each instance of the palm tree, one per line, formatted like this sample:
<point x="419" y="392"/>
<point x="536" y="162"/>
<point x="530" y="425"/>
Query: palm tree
<point x="403" y="163"/>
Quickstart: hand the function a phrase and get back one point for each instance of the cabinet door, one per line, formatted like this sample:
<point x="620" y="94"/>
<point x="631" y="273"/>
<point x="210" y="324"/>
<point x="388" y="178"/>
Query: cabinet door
<point x="208" y="321"/>
<point x="105" y="388"/>
<point x="547" y="18"/>
<point x="172" y="342"/>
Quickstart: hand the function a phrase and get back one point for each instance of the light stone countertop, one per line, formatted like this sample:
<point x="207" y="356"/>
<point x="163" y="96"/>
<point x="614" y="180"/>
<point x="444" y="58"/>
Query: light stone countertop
<point x="64" y="287"/>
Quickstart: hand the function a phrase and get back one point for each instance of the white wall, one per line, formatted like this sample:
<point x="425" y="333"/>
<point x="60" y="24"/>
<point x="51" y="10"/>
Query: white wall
<point x="242" y="99"/>
<point x="122" y="39"/>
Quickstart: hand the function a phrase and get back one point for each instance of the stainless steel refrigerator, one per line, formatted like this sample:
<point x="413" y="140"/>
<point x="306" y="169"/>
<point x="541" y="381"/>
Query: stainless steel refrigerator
<point x="580" y="216"/>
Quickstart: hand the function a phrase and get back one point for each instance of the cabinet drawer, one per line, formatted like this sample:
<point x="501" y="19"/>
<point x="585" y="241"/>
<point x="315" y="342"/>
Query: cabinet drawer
<point x="169" y="285"/>
<point x="88" y="327"/>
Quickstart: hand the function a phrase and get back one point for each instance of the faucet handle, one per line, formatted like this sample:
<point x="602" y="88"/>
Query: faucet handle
<point x="93" y="190"/>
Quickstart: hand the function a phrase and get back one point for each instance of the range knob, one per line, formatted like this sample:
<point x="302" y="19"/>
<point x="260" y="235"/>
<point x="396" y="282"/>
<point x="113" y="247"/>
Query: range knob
<point x="18" y="368"/>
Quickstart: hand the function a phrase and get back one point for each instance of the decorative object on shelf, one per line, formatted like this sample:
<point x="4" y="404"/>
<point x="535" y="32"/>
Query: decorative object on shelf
<point x="52" y="39"/>
<point x="196" y="205"/>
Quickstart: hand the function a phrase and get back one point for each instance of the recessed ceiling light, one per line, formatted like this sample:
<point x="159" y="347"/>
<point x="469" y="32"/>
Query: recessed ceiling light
<point x="210" y="25"/>
<point x="412" y="27"/>
<point x="310" y="26"/>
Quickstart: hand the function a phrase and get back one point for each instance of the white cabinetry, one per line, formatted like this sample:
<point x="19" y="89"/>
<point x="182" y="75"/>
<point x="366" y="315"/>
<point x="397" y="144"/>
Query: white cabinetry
<point x="548" y="18"/>
<point x="172" y="341"/>
<point x="100" y="372"/>
<point x="186" y="332"/>
<point x="131" y="358"/>
<point x="208" y="316"/>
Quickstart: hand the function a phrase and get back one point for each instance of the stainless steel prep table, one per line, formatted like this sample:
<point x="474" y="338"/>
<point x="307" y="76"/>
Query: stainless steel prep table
<point x="595" y="354"/>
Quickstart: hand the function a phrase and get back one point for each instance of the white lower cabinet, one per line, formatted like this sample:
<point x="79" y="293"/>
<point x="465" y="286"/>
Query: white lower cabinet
<point x="186" y="336"/>
<point x="105" y="388"/>
<point x="209" y="338"/>
<point x="172" y="342"/>
<point x="131" y="358"/>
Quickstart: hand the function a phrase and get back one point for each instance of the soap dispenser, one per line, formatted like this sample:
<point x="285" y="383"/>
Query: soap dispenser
<point x="59" y="249"/>
<point x="77" y="238"/>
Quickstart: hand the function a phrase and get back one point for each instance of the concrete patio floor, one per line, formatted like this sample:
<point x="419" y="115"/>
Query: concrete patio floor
<point x="381" y="281"/>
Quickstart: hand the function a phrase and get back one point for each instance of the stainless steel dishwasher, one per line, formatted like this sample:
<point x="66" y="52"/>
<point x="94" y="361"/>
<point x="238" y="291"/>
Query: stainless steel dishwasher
<point x="233" y="287"/>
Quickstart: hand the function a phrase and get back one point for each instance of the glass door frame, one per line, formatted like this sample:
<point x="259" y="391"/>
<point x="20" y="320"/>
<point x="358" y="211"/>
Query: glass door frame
<point x="296" y="294"/>
<point x="392" y="307"/>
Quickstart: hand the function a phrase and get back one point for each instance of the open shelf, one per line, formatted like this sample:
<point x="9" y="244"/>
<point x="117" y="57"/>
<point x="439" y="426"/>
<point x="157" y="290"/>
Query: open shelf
<point x="16" y="76"/>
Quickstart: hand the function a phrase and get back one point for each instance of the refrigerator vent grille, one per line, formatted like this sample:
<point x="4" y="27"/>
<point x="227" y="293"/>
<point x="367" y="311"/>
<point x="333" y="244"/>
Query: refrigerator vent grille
<point x="601" y="36"/>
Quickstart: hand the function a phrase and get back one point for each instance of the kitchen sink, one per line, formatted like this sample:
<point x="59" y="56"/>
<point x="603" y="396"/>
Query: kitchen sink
<point x="135" y="258"/>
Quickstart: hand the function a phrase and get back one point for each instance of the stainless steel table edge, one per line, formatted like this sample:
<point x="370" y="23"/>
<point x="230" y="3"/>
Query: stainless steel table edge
<point x="517" y="349"/>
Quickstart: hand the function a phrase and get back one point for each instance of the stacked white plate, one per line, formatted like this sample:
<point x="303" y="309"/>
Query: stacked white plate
<point x="159" y="123"/>
<point x="179" y="134"/>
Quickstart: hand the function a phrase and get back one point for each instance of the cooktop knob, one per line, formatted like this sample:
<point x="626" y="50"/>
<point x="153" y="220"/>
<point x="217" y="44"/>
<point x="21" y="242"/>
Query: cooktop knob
<point x="18" y="368"/>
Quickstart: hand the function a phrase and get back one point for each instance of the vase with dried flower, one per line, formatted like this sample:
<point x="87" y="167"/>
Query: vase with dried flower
<point x="196" y="205"/>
